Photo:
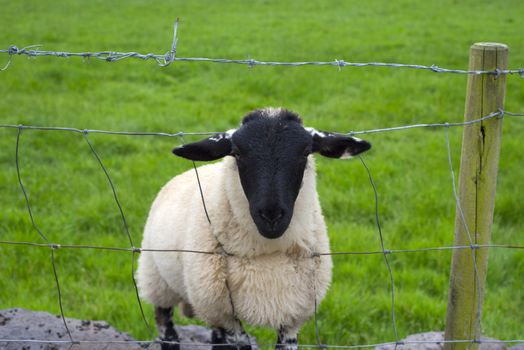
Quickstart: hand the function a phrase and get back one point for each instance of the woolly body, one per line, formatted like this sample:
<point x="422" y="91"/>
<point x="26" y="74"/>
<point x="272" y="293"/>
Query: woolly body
<point x="273" y="282"/>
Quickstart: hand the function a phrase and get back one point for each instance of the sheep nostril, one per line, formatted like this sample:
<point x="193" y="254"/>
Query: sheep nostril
<point x="271" y="216"/>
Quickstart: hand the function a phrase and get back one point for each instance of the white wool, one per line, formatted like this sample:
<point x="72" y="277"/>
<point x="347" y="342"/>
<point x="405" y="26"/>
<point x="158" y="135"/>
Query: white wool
<point x="273" y="282"/>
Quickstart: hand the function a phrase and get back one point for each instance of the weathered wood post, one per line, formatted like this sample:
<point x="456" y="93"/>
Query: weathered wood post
<point x="477" y="183"/>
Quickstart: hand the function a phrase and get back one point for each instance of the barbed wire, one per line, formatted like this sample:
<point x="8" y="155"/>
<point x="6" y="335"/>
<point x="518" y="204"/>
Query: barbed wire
<point x="134" y="250"/>
<point x="164" y="60"/>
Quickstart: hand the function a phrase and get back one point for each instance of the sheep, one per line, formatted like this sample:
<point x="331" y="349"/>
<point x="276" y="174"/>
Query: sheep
<point x="264" y="229"/>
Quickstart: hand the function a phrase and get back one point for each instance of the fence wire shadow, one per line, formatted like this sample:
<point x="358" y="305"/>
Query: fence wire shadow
<point x="53" y="247"/>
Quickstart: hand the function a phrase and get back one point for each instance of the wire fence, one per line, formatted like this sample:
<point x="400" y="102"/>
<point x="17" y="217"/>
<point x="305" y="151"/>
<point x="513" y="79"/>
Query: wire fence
<point x="167" y="59"/>
<point x="53" y="246"/>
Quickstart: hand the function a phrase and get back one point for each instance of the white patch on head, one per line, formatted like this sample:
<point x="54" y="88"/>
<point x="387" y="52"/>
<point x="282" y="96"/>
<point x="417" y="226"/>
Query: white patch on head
<point x="315" y="132"/>
<point x="217" y="137"/>
<point x="346" y="155"/>
<point x="272" y="111"/>
<point x="223" y="135"/>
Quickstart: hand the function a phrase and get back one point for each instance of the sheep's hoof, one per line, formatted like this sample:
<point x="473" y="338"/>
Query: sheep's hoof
<point x="170" y="347"/>
<point x="230" y="347"/>
<point x="286" y="347"/>
<point x="224" y="340"/>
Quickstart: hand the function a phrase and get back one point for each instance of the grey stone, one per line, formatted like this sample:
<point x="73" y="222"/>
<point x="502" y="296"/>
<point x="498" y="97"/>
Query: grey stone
<point x="517" y="347"/>
<point x="20" y="324"/>
<point x="434" y="342"/>
<point x="24" y="325"/>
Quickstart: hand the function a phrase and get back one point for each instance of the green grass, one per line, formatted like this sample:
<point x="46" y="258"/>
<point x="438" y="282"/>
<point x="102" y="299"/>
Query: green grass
<point x="73" y="204"/>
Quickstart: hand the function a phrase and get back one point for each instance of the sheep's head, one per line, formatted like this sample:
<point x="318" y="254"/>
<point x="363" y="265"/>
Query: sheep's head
<point x="271" y="148"/>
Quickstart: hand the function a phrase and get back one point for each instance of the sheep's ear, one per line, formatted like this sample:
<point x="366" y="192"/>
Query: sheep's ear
<point x="211" y="148"/>
<point x="337" y="146"/>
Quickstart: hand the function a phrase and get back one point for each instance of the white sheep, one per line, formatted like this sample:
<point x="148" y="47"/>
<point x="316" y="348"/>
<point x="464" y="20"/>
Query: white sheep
<point x="265" y="226"/>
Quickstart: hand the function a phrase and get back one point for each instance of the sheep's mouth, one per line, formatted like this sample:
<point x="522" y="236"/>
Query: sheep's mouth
<point x="272" y="234"/>
<point x="272" y="230"/>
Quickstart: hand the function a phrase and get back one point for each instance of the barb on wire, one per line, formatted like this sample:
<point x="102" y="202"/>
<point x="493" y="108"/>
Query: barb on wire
<point x="169" y="57"/>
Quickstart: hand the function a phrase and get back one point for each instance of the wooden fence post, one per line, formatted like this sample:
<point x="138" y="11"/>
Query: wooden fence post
<point x="477" y="184"/>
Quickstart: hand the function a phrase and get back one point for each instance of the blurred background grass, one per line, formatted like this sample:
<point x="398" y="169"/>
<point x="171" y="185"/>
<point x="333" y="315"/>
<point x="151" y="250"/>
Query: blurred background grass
<point x="73" y="204"/>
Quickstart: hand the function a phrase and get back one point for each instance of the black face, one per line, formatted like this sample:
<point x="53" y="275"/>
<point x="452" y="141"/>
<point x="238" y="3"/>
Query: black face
<point x="271" y="154"/>
<point x="271" y="149"/>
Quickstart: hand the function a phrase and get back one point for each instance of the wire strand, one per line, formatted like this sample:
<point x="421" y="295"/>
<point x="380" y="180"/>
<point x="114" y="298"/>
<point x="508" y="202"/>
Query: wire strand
<point x="384" y="251"/>
<point x="500" y="113"/>
<point x="164" y="60"/>
<point x="30" y="212"/>
<point x="126" y="229"/>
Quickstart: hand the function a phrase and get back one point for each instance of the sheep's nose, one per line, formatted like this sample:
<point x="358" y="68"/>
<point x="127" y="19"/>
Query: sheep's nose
<point x="271" y="215"/>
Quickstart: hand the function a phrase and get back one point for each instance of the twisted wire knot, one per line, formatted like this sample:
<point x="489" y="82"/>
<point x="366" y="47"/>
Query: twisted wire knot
<point x="435" y="68"/>
<point x="169" y="57"/>
<point x="340" y="63"/>
<point x="13" y="50"/>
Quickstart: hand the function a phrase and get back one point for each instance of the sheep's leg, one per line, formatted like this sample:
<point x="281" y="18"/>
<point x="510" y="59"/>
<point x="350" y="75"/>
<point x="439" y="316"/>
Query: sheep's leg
<point x="232" y="340"/>
<point x="166" y="328"/>
<point x="287" y="339"/>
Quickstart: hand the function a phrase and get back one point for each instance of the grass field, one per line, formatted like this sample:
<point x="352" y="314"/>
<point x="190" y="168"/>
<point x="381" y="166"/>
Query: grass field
<point x="73" y="204"/>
